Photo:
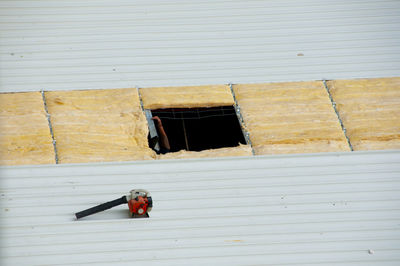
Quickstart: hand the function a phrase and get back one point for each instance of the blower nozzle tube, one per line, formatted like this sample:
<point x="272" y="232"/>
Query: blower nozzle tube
<point x="101" y="207"/>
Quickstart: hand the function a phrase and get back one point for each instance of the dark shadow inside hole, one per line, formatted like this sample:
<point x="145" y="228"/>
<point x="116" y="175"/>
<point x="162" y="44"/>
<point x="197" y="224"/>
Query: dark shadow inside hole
<point x="198" y="129"/>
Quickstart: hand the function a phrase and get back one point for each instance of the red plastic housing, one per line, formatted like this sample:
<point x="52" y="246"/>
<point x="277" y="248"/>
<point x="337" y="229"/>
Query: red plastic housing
<point x="138" y="205"/>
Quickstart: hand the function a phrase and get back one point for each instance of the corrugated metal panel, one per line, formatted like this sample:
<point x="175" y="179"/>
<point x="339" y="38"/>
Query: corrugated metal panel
<point x="56" y="45"/>
<point x="307" y="209"/>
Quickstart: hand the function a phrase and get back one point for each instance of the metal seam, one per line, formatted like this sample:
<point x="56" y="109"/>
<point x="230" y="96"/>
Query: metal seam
<point x="140" y="98"/>
<point x="246" y="134"/>
<point x="338" y="115"/>
<point x="50" y="127"/>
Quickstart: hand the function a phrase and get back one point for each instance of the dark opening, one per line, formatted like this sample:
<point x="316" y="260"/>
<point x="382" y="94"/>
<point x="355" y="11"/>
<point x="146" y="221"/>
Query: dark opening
<point x="198" y="129"/>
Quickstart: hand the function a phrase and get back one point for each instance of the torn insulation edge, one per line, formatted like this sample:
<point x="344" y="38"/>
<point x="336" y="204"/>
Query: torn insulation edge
<point x="186" y="97"/>
<point x="241" y="150"/>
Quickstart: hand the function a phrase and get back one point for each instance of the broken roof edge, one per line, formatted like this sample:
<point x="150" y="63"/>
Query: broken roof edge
<point x="193" y="84"/>
<point x="133" y="86"/>
<point x="187" y="164"/>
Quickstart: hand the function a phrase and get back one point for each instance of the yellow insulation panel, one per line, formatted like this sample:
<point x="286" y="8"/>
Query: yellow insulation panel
<point x="186" y="97"/>
<point x="242" y="150"/>
<point x="290" y="117"/>
<point x="98" y="125"/>
<point x="370" y="111"/>
<point x="25" y="135"/>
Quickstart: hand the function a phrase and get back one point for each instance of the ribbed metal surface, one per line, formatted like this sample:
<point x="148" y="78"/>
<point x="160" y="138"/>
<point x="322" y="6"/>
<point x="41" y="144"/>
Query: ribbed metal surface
<point x="306" y="209"/>
<point x="56" y="45"/>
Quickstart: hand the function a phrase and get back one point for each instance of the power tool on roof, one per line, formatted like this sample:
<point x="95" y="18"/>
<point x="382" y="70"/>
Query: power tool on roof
<point x="139" y="202"/>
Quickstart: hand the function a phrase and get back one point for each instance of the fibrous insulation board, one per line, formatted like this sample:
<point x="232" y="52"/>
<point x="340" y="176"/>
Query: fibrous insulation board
<point x="98" y="125"/>
<point x="25" y="135"/>
<point x="294" y="117"/>
<point x="186" y="97"/>
<point x="370" y="111"/>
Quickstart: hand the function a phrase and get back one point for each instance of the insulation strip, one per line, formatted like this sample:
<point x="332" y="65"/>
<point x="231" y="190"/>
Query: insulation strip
<point x="99" y="125"/>
<point x="370" y="110"/>
<point x="186" y="97"/>
<point x="109" y="125"/>
<point x="294" y="117"/>
<point x="25" y="137"/>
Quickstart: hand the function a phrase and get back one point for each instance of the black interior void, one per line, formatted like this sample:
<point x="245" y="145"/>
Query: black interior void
<point x="198" y="129"/>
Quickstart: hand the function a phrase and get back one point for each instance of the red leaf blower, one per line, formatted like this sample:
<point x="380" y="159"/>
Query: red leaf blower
<point x="139" y="201"/>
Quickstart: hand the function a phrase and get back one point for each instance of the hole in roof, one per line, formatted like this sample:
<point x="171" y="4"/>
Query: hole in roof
<point x="197" y="129"/>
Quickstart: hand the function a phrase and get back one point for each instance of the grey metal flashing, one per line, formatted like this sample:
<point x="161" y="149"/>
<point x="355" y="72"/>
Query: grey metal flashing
<point x="246" y="134"/>
<point x="50" y="127"/>
<point x="338" y="115"/>
<point x="152" y="128"/>
<point x="150" y="122"/>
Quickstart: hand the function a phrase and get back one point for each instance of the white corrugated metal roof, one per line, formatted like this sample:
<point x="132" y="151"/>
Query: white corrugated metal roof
<point x="292" y="209"/>
<point x="55" y="45"/>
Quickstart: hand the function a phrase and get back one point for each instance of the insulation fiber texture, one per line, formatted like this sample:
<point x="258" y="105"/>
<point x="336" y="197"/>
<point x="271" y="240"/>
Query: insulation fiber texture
<point x="291" y="117"/>
<point x="241" y="150"/>
<point x="370" y="111"/>
<point x="186" y="97"/>
<point x="25" y="135"/>
<point x="99" y="126"/>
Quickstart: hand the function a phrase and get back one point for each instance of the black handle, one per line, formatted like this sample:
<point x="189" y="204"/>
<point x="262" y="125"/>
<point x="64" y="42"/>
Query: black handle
<point x="101" y="207"/>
